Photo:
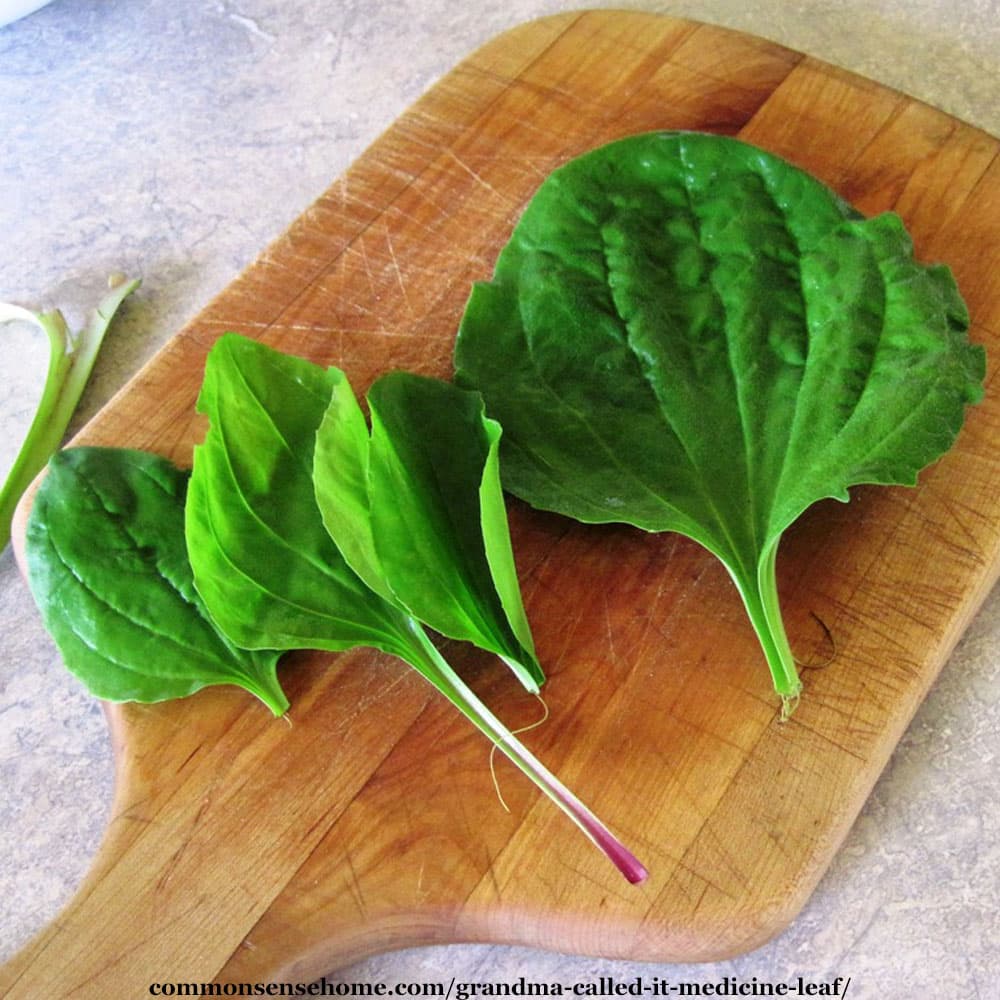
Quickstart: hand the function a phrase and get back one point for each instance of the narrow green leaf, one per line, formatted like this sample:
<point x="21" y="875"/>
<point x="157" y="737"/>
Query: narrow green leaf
<point x="432" y="465"/>
<point x="108" y="569"/>
<point x="496" y="539"/>
<point x="340" y="480"/>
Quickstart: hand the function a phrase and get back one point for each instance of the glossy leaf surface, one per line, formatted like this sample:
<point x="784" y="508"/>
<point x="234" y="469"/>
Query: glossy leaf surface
<point x="686" y="333"/>
<point x="108" y="568"/>
<point x="429" y="512"/>
<point x="270" y="571"/>
<point x="263" y="562"/>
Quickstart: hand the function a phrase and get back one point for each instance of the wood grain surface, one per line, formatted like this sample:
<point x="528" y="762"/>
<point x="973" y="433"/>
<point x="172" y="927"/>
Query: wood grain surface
<point x="246" y="849"/>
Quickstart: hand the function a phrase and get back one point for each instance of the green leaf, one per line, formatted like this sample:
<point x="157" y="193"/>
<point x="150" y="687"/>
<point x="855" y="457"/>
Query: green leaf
<point x="71" y="360"/>
<point x="340" y="481"/>
<point x="268" y="569"/>
<point x="108" y="569"/>
<point x="427" y="523"/>
<point x="689" y="334"/>
<point x="263" y="561"/>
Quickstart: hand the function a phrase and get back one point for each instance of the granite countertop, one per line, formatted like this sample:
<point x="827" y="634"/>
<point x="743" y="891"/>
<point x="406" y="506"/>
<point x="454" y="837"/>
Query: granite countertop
<point x="175" y="141"/>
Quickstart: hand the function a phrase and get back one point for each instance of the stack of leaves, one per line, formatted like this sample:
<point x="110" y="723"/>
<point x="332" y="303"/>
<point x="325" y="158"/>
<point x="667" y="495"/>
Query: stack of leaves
<point x="299" y="528"/>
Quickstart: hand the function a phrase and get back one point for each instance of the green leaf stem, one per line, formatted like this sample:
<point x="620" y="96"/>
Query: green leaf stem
<point x="71" y="360"/>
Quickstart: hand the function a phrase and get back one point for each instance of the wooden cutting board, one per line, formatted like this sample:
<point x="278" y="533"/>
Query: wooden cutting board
<point x="246" y="849"/>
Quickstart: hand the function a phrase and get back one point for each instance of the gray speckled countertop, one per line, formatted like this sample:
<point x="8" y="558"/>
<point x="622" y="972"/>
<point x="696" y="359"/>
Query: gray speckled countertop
<point x="175" y="141"/>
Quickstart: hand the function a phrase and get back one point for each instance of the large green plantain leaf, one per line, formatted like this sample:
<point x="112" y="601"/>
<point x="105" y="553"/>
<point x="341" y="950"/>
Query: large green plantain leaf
<point x="109" y="571"/>
<point x="689" y="334"/>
